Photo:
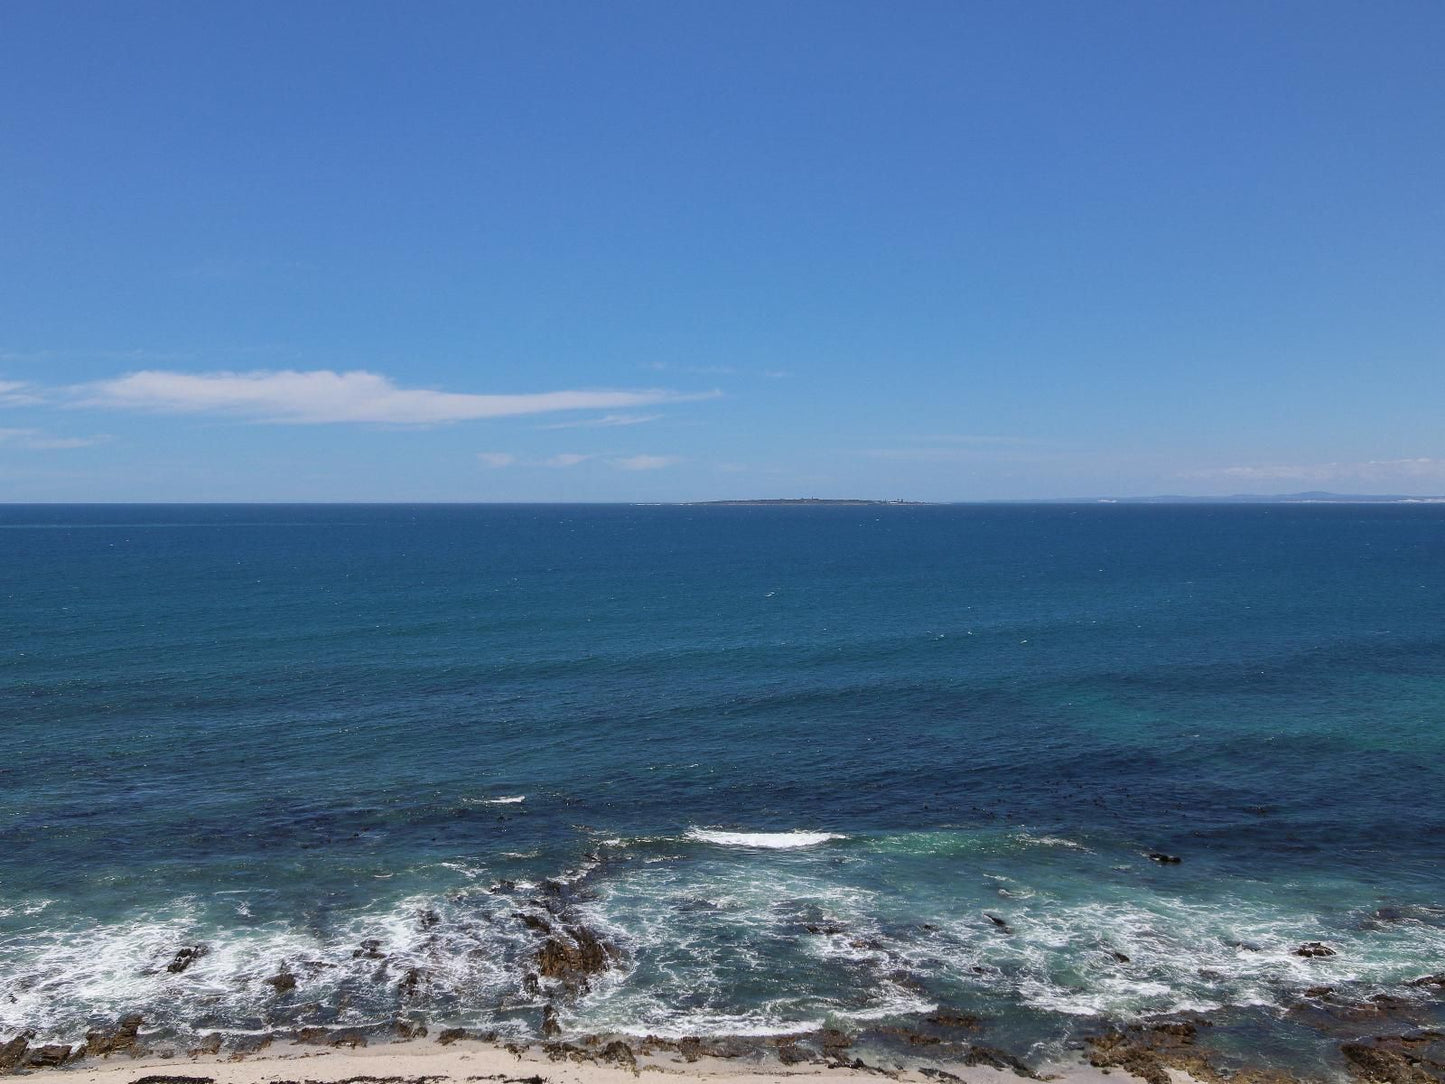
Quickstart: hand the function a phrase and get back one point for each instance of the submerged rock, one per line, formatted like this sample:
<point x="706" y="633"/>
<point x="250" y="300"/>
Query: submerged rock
<point x="999" y="922"/>
<point x="1314" y="948"/>
<point x="1162" y="858"/>
<point x="283" y="981"/>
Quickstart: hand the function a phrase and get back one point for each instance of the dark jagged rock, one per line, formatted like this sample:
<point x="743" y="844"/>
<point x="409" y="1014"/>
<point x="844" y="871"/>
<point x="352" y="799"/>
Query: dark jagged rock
<point x="428" y="919"/>
<point x="209" y="1044"/>
<point x="1119" y="957"/>
<point x="370" y="950"/>
<point x="48" y="1057"/>
<point x="410" y="982"/>
<point x="791" y="1054"/>
<point x="123" y="1040"/>
<point x="572" y="956"/>
<point x="185" y="957"/>
<point x="550" y="1027"/>
<point x="1319" y="991"/>
<point x="825" y="929"/>
<point x="619" y="1053"/>
<point x="1398" y="1059"/>
<point x="451" y="1035"/>
<point x="1437" y="980"/>
<point x="946" y="1018"/>
<point x="567" y="1052"/>
<point x="532" y="922"/>
<point x="833" y="1039"/>
<point x="1314" y="948"/>
<point x="1000" y="923"/>
<point x="282" y="982"/>
<point x="249" y="1044"/>
<point x="12" y="1053"/>
<point x="1162" y="858"/>
<point x="408" y="1029"/>
<point x="939" y="1074"/>
<point x="165" y="1079"/>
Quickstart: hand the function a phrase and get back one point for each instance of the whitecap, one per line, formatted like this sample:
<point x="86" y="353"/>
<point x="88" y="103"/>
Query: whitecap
<point x="767" y="841"/>
<point x="505" y="800"/>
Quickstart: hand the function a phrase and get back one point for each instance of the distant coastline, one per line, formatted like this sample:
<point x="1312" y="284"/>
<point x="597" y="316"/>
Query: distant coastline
<point x="810" y="502"/>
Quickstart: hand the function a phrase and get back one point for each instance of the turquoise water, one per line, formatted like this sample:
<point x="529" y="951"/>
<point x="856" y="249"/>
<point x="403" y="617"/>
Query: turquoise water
<point x="788" y="760"/>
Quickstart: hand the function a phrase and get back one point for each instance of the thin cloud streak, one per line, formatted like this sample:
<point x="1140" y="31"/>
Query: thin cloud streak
<point x="563" y="460"/>
<point x="323" y="396"/>
<point x="605" y="422"/>
<point x="40" y="441"/>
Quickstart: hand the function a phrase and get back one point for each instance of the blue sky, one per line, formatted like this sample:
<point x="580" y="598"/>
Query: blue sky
<point x="672" y="251"/>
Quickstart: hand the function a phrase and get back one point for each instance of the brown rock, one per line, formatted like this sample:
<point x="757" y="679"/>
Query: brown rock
<point x="12" y="1053"/>
<point x="1314" y="948"/>
<point x="49" y="1057"/>
<point x="451" y="1035"/>
<point x="210" y="1044"/>
<point x="123" y="1040"/>
<point x="619" y="1052"/>
<point x="790" y="1054"/>
<point x="550" y="1027"/>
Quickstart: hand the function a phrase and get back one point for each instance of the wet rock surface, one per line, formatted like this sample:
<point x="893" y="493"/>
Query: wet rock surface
<point x="1418" y="1058"/>
<point x="186" y="957"/>
<point x="124" y="1038"/>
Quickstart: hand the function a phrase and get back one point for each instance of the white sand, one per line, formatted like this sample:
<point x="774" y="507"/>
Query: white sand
<point x="471" y="1061"/>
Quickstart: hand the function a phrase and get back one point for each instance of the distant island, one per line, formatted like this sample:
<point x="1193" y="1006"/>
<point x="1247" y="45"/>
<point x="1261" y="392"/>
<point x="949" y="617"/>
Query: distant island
<point x="810" y="501"/>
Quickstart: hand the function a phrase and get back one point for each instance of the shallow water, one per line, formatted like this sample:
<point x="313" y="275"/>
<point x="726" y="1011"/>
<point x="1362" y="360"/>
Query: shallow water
<point x="789" y="760"/>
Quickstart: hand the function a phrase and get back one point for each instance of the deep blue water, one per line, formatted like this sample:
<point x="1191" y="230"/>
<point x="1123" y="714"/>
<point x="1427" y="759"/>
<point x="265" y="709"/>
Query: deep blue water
<point x="280" y="730"/>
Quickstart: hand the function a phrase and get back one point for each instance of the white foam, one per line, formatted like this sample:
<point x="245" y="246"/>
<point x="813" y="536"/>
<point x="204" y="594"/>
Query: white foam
<point x="505" y="800"/>
<point x="767" y="841"/>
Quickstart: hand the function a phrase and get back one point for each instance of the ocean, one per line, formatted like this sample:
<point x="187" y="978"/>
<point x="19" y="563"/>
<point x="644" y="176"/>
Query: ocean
<point x="792" y="767"/>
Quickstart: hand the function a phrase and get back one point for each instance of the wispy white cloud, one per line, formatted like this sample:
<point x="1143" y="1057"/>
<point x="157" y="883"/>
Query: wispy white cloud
<point x="324" y="396"/>
<point x="607" y="421"/>
<point x="1370" y="470"/>
<point x="644" y="462"/>
<point x="17" y="393"/>
<point x="39" y="440"/>
<point x="562" y="460"/>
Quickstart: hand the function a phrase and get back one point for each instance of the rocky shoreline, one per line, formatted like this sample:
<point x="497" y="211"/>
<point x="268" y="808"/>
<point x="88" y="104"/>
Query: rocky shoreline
<point x="1383" y="1040"/>
<point x="1379" y="1039"/>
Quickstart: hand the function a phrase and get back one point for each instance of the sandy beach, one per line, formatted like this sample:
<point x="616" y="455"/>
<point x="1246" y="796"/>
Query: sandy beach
<point x="465" y="1062"/>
